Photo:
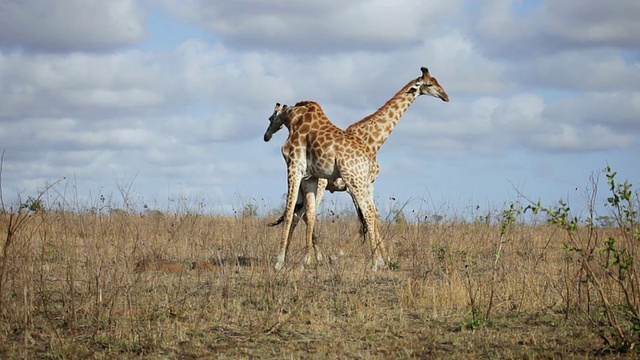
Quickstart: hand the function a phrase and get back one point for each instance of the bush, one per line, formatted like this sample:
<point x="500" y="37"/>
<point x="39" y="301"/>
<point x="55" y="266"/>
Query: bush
<point x="608" y="267"/>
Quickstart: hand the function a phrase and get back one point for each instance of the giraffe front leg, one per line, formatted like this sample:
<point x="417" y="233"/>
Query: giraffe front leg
<point x="378" y="249"/>
<point x="294" y="180"/>
<point x="373" y="236"/>
<point x="370" y="214"/>
<point x="383" y="253"/>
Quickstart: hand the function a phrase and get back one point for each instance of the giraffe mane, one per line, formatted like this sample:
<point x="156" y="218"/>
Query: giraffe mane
<point x="307" y="103"/>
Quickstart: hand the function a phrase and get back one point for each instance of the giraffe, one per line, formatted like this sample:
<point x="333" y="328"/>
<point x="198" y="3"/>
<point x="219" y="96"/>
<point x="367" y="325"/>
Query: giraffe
<point x="315" y="149"/>
<point x="374" y="131"/>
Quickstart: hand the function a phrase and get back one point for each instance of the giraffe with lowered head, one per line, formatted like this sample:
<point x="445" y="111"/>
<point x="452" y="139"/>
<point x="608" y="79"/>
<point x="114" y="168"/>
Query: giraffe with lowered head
<point x="315" y="149"/>
<point x="373" y="130"/>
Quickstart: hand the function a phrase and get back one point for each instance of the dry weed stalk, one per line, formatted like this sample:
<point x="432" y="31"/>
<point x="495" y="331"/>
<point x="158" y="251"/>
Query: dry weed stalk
<point x="159" y="265"/>
<point x="71" y="289"/>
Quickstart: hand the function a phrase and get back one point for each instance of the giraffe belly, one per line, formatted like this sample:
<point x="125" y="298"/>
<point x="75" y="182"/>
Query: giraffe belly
<point x="331" y="173"/>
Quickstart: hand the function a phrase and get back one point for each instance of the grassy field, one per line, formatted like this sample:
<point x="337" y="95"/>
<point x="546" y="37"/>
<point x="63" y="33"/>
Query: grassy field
<point x="73" y="286"/>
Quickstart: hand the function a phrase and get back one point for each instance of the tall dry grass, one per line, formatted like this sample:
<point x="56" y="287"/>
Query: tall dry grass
<point x="72" y="286"/>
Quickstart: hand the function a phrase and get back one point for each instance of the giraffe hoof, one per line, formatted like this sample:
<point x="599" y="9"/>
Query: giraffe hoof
<point x="379" y="263"/>
<point x="279" y="266"/>
<point x="307" y="260"/>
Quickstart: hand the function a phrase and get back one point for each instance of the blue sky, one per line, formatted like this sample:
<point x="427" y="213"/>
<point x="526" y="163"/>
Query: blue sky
<point x="166" y="101"/>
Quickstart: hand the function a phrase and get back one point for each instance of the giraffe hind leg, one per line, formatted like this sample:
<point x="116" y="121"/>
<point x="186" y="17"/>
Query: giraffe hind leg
<point x="321" y="187"/>
<point x="309" y="188"/>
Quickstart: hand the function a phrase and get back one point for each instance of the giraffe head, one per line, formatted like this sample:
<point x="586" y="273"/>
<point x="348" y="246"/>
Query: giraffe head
<point x="428" y="85"/>
<point x="275" y="122"/>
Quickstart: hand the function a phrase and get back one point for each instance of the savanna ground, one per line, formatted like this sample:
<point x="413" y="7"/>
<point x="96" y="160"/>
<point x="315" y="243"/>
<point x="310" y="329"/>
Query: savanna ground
<point x="494" y="287"/>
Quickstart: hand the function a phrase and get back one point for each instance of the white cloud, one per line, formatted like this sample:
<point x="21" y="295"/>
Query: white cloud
<point x="565" y="137"/>
<point x="318" y="26"/>
<point x="70" y="25"/>
<point x="465" y="70"/>
<point x="77" y="84"/>
<point x="125" y="98"/>
<point x="189" y="114"/>
<point x="616" y="110"/>
<point x="555" y="26"/>
<point x="492" y="126"/>
<point x="520" y="114"/>
<point x="593" y="22"/>
<point x="579" y="70"/>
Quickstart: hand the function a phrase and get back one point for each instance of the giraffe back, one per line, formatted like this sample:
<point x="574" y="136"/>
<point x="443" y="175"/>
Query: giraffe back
<point x="319" y="147"/>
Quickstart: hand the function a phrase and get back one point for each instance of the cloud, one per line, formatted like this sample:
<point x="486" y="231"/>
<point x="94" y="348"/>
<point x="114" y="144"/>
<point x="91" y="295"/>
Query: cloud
<point x="576" y="124"/>
<point x="215" y="72"/>
<point x="616" y="110"/>
<point x="313" y="27"/>
<point x="463" y="69"/>
<point x="185" y="107"/>
<point x="492" y="126"/>
<point x="90" y="86"/>
<point x="70" y="25"/>
<point x="593" y="23"/>
<point x="591" y="70"/>
<point x="579" y="139"/>
<point x="519" y="30"/>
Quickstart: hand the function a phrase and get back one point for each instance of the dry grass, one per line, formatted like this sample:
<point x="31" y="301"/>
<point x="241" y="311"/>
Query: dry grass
<point x="92" y="286"/>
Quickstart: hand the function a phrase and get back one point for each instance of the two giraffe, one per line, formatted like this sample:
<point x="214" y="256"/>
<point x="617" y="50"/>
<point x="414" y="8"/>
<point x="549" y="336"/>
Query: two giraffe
<point x="372" y="131"/>
<point x="315" y="149"/>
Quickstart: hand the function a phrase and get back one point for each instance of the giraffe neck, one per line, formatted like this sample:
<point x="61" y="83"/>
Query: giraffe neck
<point x="376" y="128"/>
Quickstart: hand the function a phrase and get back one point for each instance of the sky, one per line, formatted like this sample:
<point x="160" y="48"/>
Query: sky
<point x="164" y="103"/>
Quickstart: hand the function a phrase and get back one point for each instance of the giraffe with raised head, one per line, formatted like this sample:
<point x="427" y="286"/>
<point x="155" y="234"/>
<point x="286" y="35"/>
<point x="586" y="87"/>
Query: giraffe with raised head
<point x="316" y="149"/>
<point x="373" y="130"/>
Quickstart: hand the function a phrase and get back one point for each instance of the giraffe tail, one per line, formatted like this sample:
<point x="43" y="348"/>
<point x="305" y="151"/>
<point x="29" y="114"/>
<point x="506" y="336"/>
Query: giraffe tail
<point x="363" y="225"/>
<point x="277" y="222"/>
<point x="281" y="218"/>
